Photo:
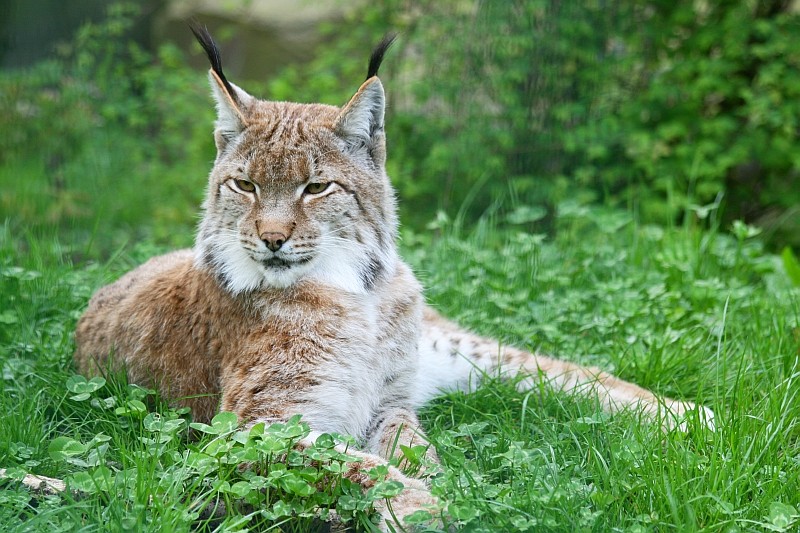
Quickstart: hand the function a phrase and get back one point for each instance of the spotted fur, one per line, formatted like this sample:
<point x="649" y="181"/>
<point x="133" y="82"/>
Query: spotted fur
<point x="294" y="299"/>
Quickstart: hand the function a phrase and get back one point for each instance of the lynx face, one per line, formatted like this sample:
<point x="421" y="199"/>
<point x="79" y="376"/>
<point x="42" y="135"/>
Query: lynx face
<point x="298" y="193"/>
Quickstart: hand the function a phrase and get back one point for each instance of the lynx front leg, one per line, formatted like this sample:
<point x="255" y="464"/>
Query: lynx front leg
<point x="414" y="497"/>
<point x="395" y="427"/>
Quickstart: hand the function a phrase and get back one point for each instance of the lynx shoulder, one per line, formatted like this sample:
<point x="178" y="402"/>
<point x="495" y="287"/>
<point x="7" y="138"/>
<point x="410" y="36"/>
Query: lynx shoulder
<point x="294" y="299"/>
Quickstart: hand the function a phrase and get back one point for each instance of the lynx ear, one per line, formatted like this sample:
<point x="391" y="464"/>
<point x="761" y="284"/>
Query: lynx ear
<point x="360" y="123"/>
<point x="232" y="102"/>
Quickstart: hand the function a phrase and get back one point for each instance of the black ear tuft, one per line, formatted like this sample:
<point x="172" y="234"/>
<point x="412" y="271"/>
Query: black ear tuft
<point x="376" y="58"/>
<point x="203" y="37"/>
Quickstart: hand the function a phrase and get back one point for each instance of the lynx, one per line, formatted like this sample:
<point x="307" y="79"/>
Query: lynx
<point x="294" y="299"/>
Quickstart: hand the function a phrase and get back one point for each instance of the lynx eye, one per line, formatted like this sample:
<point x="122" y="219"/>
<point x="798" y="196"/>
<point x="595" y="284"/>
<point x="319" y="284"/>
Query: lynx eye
<point x="316" y="188"/>
<point x="245" y="186"/>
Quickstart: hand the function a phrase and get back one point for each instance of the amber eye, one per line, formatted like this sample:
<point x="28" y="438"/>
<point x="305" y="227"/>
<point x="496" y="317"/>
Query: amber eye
<point x="245" y="186"/>
<point x="316" y="188"/>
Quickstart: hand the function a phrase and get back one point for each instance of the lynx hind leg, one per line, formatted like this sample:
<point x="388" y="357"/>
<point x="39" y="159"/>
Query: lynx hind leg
<point x="452" y="358"/>
<point x="96" y="331"/>
<point x="613" y="393"/>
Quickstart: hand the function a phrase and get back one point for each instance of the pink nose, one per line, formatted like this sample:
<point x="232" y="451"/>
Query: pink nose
<point x="273" y="240"/>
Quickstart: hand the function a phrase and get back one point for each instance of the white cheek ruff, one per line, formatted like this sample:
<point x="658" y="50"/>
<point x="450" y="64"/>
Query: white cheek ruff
<point x="343" y="262"/>
<point x="240" y="272"/>
<point x="238" y="268"/>
<point x="340" y="264"/>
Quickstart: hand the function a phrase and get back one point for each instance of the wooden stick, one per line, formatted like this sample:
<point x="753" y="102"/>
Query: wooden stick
<point x="41" y="484"/>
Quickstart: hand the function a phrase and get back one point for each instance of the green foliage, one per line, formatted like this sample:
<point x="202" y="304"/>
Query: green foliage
<point x="699" y="99"/>
<point x="494" y="106"/>
<point x="791" y="265"/>
<point x="658" y="105"/>
<point x="498" y="88"/>
<point x="281" y="482"/>
<point x="676" y="310"/>
<point x="691" y="312"/>
<point x="102" y="123"/>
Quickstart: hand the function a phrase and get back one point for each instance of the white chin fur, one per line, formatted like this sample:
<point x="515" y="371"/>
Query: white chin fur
<point x="340" y="269"/>
<point x="236" y="267"/>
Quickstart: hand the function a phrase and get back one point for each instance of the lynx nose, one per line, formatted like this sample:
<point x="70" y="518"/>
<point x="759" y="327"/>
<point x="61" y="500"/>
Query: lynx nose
<point x="273" y="240"/>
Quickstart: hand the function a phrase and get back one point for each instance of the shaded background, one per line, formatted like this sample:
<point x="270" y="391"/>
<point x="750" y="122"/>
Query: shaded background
<point x="512" y="111"/>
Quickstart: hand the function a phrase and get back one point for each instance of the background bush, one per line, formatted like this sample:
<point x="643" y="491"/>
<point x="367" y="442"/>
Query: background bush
<point x="106" y="142"/>
<point x="498" y="108"/>
<point x="656" y="105"/>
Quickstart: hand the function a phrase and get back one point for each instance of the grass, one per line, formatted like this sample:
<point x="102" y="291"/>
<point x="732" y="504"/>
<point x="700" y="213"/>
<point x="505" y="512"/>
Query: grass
<point x="691" y="312"/>
<point x="102" y="167"/>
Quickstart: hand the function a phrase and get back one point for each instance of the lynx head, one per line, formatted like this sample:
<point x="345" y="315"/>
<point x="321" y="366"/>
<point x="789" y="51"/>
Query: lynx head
<point x="298" y="192"/>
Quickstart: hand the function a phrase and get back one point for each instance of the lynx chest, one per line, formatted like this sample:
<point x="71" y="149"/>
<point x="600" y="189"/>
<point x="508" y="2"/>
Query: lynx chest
<point x="336" y="358"/>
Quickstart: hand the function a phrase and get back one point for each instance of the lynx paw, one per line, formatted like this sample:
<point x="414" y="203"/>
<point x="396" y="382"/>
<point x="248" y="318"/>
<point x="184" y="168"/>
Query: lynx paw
<point x="415" y="497"/>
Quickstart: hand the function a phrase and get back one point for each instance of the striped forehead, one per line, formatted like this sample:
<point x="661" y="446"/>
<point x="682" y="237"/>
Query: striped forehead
<point x="286" y="151"/>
